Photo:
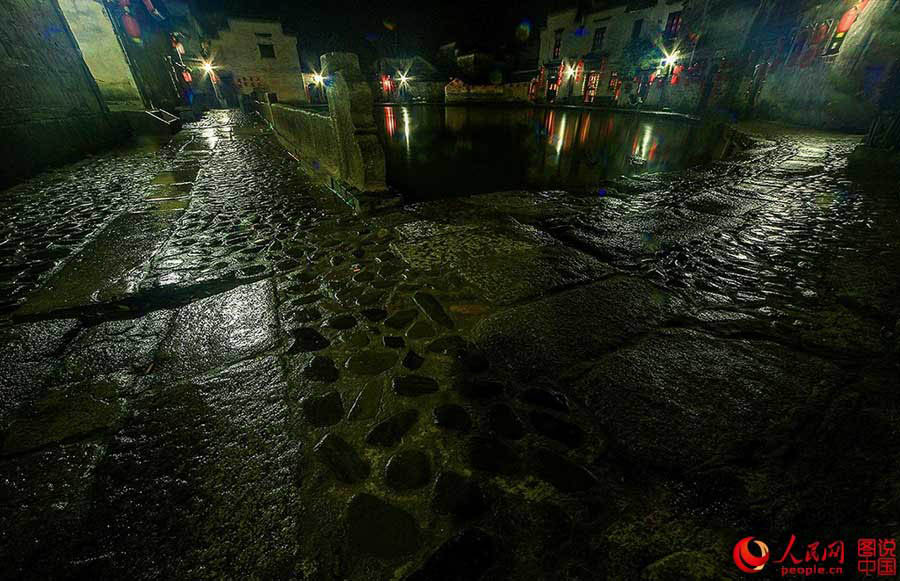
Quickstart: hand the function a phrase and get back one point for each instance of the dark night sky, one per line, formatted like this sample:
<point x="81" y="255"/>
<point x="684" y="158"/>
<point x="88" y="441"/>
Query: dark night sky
<point x="358" y="25"/>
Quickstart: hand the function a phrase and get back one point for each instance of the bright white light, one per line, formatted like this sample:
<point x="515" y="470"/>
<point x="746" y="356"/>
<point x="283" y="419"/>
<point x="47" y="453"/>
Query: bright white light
<point x="570" y="71"/>
<point x="670" y="59"/>
<point x="318" y="79"/>
<point x="208" y="68"/>
<point x="405" y="112"/>
<point x="404" y="80"/>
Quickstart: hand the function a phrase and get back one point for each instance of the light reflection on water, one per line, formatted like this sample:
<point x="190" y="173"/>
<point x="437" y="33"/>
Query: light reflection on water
<point x="441" y="151"/>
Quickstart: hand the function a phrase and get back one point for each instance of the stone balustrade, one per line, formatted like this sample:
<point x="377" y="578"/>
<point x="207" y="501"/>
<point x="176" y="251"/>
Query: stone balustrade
<point x="342" y="141"/>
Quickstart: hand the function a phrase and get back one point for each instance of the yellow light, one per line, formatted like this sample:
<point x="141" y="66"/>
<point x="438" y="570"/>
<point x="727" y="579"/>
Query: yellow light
<point x="670" y="59"/>
<point x="208" y="68"/>
<point x="570" y="71"/>
<point x="404" y="80"/>
<point x="318" y="79"/>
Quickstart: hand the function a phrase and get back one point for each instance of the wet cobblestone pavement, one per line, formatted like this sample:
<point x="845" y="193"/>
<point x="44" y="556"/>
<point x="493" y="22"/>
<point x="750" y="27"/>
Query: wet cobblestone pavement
<point x="212" y="368"/>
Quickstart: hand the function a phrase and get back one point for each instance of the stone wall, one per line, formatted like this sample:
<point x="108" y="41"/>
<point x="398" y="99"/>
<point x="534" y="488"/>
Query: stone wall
<point x="236" y="52"/>
<point x="344" y="141"/>
<point x="682" y="97"/>
<point x="308" y="134"/>
<point x="458" y="92"/>
<point x="51" y="110"/>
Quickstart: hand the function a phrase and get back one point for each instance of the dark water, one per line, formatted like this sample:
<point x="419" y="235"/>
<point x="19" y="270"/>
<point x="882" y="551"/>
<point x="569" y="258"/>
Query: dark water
<point x="440" y="151"/>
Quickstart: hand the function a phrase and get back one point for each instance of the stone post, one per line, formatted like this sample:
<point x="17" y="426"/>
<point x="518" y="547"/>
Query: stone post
<point x="350" y="103"/>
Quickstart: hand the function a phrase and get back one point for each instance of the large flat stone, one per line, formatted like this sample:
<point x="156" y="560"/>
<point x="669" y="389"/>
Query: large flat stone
<point x="28" y="360"/>
<point x="377" y="528"/>
<point x="219" y="330"/>
<point x="109" y="267"/>
<point x="679" y="398"/>
<point x="550" y="335"/>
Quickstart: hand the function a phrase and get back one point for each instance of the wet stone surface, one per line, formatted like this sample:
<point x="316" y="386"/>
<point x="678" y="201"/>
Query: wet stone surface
<point x="389" y="432"/>
<point x="504" y="421"/>
<point x="321" y="368"/>
<point x="380" y="529"/>
<point x="504" y="386"/>
<point x="323" y="410"/>
<point x="407" y="470"/>
<point x="452" y="417"/>
<point x="371" y="362"/>
<point x="458" y="496"/>
<point x="468" y="555"/>
<point x="414" y="385"/>
<point x="342" y="459"/>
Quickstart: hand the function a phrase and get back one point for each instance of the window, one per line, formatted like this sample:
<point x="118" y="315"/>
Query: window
<point x="267" y="51"/>
<point x="557" y="43"/>
<point x="636" y="28"/>
<point x="598" y="38"/>
<point x="613" y="81"/>
<point x="673" y="24"/>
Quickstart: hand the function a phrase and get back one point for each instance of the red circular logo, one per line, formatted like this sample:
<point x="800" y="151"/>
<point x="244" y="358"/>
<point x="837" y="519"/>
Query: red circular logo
<point x="747" y="561"/>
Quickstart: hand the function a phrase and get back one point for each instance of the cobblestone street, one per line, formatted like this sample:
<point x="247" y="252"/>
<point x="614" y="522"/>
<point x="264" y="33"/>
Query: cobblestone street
<point x="214" y="368"/>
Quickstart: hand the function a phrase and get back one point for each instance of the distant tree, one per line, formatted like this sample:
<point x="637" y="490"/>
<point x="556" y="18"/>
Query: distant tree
<point x="641" y="54"/>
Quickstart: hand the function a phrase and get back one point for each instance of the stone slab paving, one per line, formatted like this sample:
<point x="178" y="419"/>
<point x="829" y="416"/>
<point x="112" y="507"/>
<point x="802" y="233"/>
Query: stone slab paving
<point x="509" y="386"/>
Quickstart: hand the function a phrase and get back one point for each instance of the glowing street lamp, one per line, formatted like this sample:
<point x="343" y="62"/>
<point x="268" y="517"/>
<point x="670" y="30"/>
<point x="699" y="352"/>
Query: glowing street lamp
<point x="318" y="79"/>
<point x="671" y="59"/>
<point x="404" y="80"/>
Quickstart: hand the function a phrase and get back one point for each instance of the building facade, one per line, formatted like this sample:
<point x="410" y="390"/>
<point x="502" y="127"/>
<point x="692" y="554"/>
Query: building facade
<point x="257" y="56"/>
<point x="823" y="63"/>
<point x="408" y="79"/>
<point x="130" y="48"/>
<point x="606" y="54"/>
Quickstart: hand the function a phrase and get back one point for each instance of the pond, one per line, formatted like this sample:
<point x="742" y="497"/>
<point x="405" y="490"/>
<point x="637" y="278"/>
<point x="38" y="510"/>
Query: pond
<point x="435" y="151"/>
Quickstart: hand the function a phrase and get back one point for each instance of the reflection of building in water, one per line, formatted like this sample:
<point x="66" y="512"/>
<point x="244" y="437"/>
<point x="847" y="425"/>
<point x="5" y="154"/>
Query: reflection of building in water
<point x="579" y="149"/>
<point x="455" y="118"/>
<point x="644" y="145"/>
<point x="464" y="149"/>
<point x="390" y="121"/>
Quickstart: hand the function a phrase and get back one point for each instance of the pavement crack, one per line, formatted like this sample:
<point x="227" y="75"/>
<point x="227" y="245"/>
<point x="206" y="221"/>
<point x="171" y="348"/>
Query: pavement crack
<point x="141" y="303"/>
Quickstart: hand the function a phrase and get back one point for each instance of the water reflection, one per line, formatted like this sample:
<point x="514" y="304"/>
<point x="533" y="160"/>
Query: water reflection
<point x="440" y="151"/>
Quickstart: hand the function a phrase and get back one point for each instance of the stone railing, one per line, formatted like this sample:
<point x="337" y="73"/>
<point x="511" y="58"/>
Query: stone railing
<point x="342" y="141"/>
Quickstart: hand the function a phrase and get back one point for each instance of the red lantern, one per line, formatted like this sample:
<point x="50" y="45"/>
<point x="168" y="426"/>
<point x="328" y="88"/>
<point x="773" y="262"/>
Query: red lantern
<point x="186" y="76"/>
<point x="847" y="20"/>
<point x="132" y="28"/>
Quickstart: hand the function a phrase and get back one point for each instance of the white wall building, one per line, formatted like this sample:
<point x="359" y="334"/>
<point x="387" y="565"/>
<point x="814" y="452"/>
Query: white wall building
<point x="584" y="56"/>
<point x="256" y="55"/>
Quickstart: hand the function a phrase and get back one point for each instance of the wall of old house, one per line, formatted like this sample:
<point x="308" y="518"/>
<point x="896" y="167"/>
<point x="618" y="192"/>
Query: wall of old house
<point x="236" y="53"/>
<point x="836" y="91"/>
<point x="103" y="53"/>
<point x="51" y="110"/>
<point x="148" y="56"/>
<point x="577" y="44"/>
